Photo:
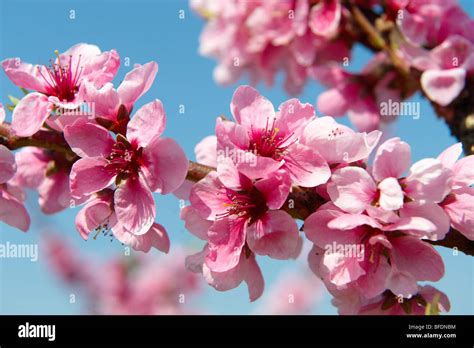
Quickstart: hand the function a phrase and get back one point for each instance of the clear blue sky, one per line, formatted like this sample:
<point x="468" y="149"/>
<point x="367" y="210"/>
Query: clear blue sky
<point x="152" y="30"/>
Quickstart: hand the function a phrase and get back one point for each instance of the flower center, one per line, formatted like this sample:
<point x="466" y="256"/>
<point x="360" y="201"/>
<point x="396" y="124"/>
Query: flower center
<point x="248" y="205"/>
<point x="125" y="158"/>
<point x="270" y="142"/>
<point x="62" y="80"/>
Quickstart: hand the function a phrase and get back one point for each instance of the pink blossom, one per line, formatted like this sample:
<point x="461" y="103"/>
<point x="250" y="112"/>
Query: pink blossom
<point x="262" y="141"/>
<point x="445" y="68"/>
<point x="458" y="204"/>
<point x="430" y="22"/>
<point x="99" y="215"/>
<point x="12" y="210"/>
<point x="261" y="37"/>
<point x="48" y="173"/>
<point x="60" y="85"/>
<point x="355" y="191"/>
<point x="338" y="144"/>
<point x="138" y="163"/>
<point x="383" y="256"/>
<point x="359" y="95"/>
<point x="239" y="216"/>
<point x="112" y="107"/>
<point x="324" y="18"/>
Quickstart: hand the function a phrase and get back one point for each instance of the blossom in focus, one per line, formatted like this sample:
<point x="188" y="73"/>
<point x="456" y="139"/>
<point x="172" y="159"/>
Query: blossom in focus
<point x="112" y="107"/>
<point x="413" y="196"/>
<point x="239" y="217"/>
<point x="60" y="85"/>
<point x="138" y="163"/>
<point x="262" y="141"/>
<point x="388" y="255"/>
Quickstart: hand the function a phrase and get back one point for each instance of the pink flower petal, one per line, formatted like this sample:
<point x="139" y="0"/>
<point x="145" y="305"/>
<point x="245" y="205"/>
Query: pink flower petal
<point x="333" y="102"/>
<point x="392" y="159"/>
<point x="7" y="164"/>
<point x="166" y="165"/>
<point x="249" y="108"/>
<point x="275" y="235"/>
<point x="136" y="83"/>
<point x="293" y="116"/>
<point x="428" y="179"/>
<point x="338" y="143"/>
<point x="156" y="237"/>
<point x="94" y="214"/>
<point x="351" y="221"/>
<point x="147" y="123"/>
<point x="206" y="151"/>
<point x="324" y="18"/>
<point x="402" y="284"/>
<point x="31" y="166"/>
<point x="226" y="240"/>
<point x="97" y="67"/>
<point x="449" y="156"/>
<point x="89" y="175"/>
<point x="418" y="258"/>
<point x="25" y="75"/>
<point x="431" y="212"/>
<point x="135" y="206"/>
<point x="54" y="194"/>
<point x="342" y="270"/>
<point x="12" y="212"/>
<point x="105" y="100"/>
<point x="275" y="189"/>
<point x="208" y="198"/>
<point x="352" y="189"/>
<point x="464" y="172"/>
<point x="391" y="194"/>
<point x="306" y="166"/>
<point x="443" y="86"/>
<point x="88" y="139"/>
<point x="30" y="113"/>
<point x="460" y="211"/>
<point x="231" y="177"/>
<point x="195" y="223"/>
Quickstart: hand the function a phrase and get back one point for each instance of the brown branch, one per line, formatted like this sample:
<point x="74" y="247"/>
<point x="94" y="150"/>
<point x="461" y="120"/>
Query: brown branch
<point x="44" y="139"/>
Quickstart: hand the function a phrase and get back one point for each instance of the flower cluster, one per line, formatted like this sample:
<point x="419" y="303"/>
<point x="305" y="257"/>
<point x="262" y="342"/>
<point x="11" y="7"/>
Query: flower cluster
<point x="112" y="162"/>
<point x="314" y="38"/>
<point x="370" y="223"/>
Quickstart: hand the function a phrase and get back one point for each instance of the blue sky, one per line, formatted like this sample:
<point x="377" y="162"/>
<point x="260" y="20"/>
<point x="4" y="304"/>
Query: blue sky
<point x="152" y="30"/>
